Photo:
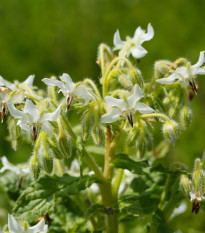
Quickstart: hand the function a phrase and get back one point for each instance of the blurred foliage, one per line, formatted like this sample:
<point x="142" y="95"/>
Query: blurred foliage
<point x="51" y="37"/>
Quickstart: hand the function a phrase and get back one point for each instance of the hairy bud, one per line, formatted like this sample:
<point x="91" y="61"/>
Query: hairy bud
<point x="170" y="131"/>
<point x="136" y="77"/>
<point x="65" y="145"/>
<point x="15" y="133"/>
<point x="185" y="184"/>
<point x="35" y="167"/>
<point x="185" y="117"/>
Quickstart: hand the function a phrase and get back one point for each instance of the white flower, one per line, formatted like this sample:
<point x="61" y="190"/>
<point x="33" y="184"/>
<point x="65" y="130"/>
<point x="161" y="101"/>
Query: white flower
<point x="6" y="97"/>
<point x="69" y="88"/>
<point x="186" y="75"/>
<point x="15" y="227"/>
<point x="125" y="107"/>
<point x="31" y="118"/>
<point x="134" y="46"/>
<point x="20" y="169"/>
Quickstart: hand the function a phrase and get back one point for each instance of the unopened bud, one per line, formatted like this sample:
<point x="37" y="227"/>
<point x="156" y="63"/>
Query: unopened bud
<point x="198" y="176"/>
<point x="185" y="117"/>
<point x="141" y="148"/>
<point x="136" y="77"/>
<point x="106" y="52"/>
<point x="35" y="167"/>
<point x="170" y="131"/>
<point x="185" y="184"/>
<point x="124" y="80"/>
<point x="15" y="133"/>
<point x="133" y="135"/>
<point x="47" y="162"/>
<point x="54" y="148"/>
<point x="65" y="145"/>
<point x="96" y="134"/>
<point x="163" y="66"/>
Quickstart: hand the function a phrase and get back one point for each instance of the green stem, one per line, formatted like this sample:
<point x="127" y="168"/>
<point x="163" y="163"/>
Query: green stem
<point x="92" y="84"/>
<point x="32" y="97"/>
<point x="155" y="115"/>
<point x="116" y="183"/>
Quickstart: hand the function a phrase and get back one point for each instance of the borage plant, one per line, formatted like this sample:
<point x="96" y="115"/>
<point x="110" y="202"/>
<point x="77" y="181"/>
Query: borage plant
<point x="94" y="166"/>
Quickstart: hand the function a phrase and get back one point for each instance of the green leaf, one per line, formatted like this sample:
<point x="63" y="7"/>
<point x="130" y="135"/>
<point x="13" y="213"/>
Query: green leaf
<point x="93" y="210"/>
<point x="123" y="161"/>
<point x="40" y="197"/>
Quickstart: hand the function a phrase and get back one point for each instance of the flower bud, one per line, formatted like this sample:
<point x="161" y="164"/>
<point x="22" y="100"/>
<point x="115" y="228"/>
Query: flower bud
<point x="96" y="134"/>
<point x="133" y="135"/>
<point x="185" y="117"/>
<point x="141" y="148"/>
<point x="163" y="66"/>
<point x="185" y="184"/>
<point x="65" y="145"/>
<point x="35" y="167"/>
<point x="198" y="177"/>
<point x="124" y="81"/>
<point x="15" y="133"/>
<point x="170" y="131"/>
<point x="54" y="148"/>
<point x="136" y="77"/>
<point x="47" y="162"/>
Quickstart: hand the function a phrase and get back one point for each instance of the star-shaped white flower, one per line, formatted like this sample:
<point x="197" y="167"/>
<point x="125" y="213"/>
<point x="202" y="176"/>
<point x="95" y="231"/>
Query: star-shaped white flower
<point x="6" y="97"/>
<point x="126" y="107"/>
<point x="20" y="169"/>
<point x="15" y="227"/>
<point x="32" y="119"/>
<point x="69" y="88"/>
<point x="186" y="75"/>
<point x="135" y="45"/>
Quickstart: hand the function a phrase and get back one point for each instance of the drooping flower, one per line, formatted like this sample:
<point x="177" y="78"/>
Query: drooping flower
<point x="126" y="107"/>
<point x="15" y="227"/>
<point x="69" y="89"/>
<point x="186" y="75"/>
<point x="6" y="97"/>
<point x="32" y="119"/>
<point x="20" y="169"/>
<point x="134" y="45"/>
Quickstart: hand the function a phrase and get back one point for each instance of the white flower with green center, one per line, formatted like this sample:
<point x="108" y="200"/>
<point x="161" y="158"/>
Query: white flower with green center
<point x="69" y="89"/>
<point x="133" y="45"/>
<point x="20" y="169"/>
<point x="32" y="119"/>
<point x="15" y="227"/>
<point x="6" y="97"/>
<point x="185" y="75"/>
<point x="126" y="107"/>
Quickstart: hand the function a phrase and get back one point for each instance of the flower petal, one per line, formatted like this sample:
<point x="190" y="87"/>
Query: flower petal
<point x="200" y="61"/>
<point x="15" y="112"/>
<point x="53" y="83"/>
<point x="138" y="52"/>
<point x="168" y="80"/>
<point x="111" y="116"/>
<point x="13" y="225"/>
<point x="137" y="34"/>
<point x="29" y="80"/>
<point x="40" y="227"/>
<point x="200" y="71"/>
<point x="47" y="128"/>
<point x="150" y="33"/>
<point x="53" y="116"/>
<point x="143" y="108"/>
<point x="2" y="82"/>
<point x="117" y="40"/>
<point x="113" y="102"/>
<point x="70" y="85"/>
<point x="137" y="95"/>
<point x="32" y="110"/>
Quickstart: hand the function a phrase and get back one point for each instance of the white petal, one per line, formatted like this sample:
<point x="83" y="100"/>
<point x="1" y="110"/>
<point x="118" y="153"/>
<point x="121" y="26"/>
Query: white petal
<point x="168" y="80"/>
<point x="138" y="52"/>
<point x="32" y="110"/>
<point x="137" y="95"/>
<point x="113" y="102"/>
<point x="53" y="116"/>
<point x="40" y="227"/>
<point x="111" y="116"/>
<point x="18" y="97"/>
<point x="200" y="61"/>
<point x="137" y="34"/>
<point x="150" y="33"/>
<point x="2" y="81"/>
<point x="24" y="125"/>
<point x="68" y="81"/>
<point x="143" y="108"/>
<point x="29" y="80"/>
<point x="200" y="71"/>
<point x="81" y="91"/>
<point x="15" y="112"/>
<point x="13" y="225"/>
<point x="117" y="40"/>
<point x="53" y="83"/>
<point x="47" y="128"/>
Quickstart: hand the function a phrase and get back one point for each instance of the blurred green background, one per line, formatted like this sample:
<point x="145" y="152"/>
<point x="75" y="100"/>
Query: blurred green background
<point x="46" y="37"/>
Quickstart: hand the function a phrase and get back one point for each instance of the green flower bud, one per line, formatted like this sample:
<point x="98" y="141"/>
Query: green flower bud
<point x="163" y="66"/>
<point x="136" y="77"/>
<point x="54" y="148"/>
<point x="198" y="176"/>
<point x="185" y="117"/>
<point x="65" y="145"/>
<point x="125" y="81"/>
<point x="133" y="135"/>
<point x="35" y="167"/>
<point x="170" y="131"/>
<point x="106" y="51"/>
<point x="185" y="184"/>
<point x="96" y="134"/>
<point x="47" y="162"/>
<point x="141" y="148"/>
<point x="15" y="133"/>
